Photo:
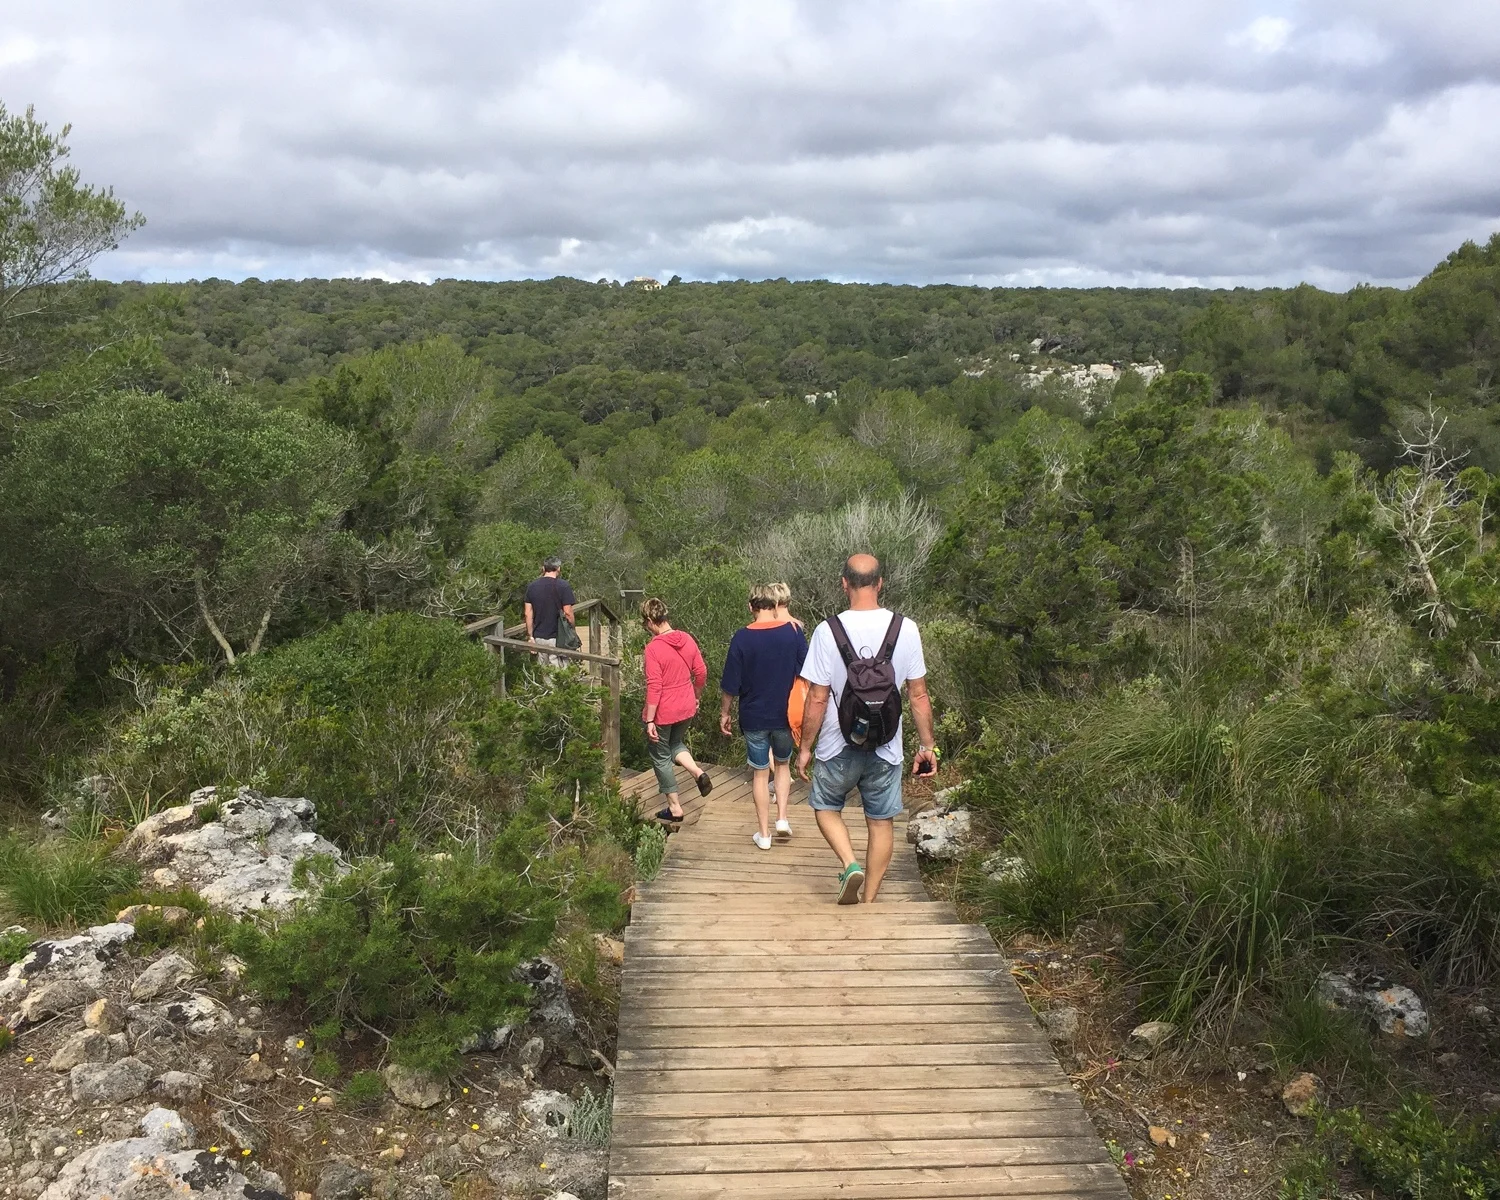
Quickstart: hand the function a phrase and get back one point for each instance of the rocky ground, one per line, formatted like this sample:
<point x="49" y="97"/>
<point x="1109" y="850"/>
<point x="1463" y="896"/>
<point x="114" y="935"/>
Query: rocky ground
<point x="129" y="1067"/>
<point x="1190" y="1121"/>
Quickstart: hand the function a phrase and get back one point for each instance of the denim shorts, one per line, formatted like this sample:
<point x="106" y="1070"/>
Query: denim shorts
<point x="761" y="744"/>
<point x="879" y="783"/>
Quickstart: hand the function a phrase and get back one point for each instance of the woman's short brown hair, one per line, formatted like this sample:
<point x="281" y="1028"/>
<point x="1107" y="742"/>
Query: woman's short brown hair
<point x="654" y="610"/>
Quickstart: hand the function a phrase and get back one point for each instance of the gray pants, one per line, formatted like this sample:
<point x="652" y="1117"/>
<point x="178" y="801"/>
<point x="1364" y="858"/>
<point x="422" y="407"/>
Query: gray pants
<point x="549" y="660"/>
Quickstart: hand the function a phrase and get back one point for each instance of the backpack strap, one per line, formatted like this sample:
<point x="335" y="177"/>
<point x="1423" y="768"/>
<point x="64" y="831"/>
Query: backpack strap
<point x="841" y="640"/>
<point x="892" y="634"/>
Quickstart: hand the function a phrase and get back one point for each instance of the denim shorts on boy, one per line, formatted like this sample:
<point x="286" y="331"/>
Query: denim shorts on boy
<point x="761" y="744"/>
<point x="879" y="783"/>
<point x="668" y="746"/>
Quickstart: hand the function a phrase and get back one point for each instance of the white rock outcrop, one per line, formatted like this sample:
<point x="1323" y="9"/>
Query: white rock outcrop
<point x="240" y="861"/>
<point x="159" y="1163"/>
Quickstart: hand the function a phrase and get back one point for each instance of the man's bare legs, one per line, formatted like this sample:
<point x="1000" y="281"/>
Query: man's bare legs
<point x="760" y="792"/>
<point x="882" y="837"/>
<point x="783" y="788"/>
<point x="836" y="834"/>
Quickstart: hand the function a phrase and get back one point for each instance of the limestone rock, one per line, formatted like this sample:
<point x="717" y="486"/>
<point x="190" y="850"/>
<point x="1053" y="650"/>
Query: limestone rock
<point x="549" y="995"/>
<point x="1397" y="1010"/>
<point x="53" y="999"/>
<point x="109" y="1083"/>
<point x="1004" y="868"/>
<point x="201" y="1015"/>
<point x="415" y="1088"/>
<point x="572" y="1170"/>
<point x="610" y="949"/>
<point x="253" y="1070"/>
<point x="940" y="834"/>
<point x="445" y="1162"/>
<point x="1149" y="1037"/>
<point x="1061" y="1024"/>
<point x="167" y="1127"/>
<point x="243" y="860"/>
<point x="532" y="1053"/>
<point x="343" y="1181"/>
<point x="85" y="1046"/>
<point x="106" y="1015"/>
<point x="167" y="973"/>
<point x="547" y="1112"/>
<point x="1302" y="1095"/>
<point x="494" y="1039"/>
<point x="181" y="1085"/>
<point x="160" y="1164"/>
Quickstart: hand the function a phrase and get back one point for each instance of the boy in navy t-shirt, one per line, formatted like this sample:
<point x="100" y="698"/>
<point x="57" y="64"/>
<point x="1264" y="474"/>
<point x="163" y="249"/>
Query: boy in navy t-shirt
<point x="763" y="662"/>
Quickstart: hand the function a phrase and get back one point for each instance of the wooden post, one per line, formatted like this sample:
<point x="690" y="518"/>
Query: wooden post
<point x="611" y="730"/>
<point x="594" y="644"/>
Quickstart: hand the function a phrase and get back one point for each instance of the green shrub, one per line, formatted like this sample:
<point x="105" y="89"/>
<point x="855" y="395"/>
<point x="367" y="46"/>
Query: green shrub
<point x="650" y="848"/>
<point x="61" y="881"/>
<point x="425" y="946"/>
<point x="1414" y="1153"/>
<point x="592" y="1118"/>
<point x="365" y="1090"/>
<point x="390" y="724"/>
<point x="7" y="1038"/>
<point x="325" y="1066"/>
<point x="13" y="946"/>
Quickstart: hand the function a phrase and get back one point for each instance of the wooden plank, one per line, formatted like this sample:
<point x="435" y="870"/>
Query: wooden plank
<point x="855" y="1038"/>
<point x="683" y="1105"/>
<point x="710" y="965"/>
<point x="862" y="1155"/>
<point x="948" y="1054"/>
<point x="895" y="1183"/>
<point x="1058" y="1115"/>
<point x="861" y="1078"/>
<point x="769" y="1018"/>
<point x="747" y="982"/>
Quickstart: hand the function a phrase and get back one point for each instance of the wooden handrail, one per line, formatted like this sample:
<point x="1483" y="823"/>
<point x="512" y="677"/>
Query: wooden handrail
<point x="536" y="648"/>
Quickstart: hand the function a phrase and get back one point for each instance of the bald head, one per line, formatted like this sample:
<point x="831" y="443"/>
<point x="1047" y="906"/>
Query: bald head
<point x="862" y="571"/>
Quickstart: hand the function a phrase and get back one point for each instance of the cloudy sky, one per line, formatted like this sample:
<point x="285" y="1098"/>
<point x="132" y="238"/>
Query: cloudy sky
<point x="1068" y="142"/>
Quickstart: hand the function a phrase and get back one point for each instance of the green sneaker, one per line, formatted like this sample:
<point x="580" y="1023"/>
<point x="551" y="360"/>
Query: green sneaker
<point x="850" y="882"/>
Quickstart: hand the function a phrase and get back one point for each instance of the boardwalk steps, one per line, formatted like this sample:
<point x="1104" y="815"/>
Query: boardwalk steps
<point x="775" y="1045"/>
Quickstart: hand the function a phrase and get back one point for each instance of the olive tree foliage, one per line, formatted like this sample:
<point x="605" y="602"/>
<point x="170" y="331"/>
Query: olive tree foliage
<point x="808" y="551"/>
<point x="52" y="225"/>
<point x="149" y="522"/>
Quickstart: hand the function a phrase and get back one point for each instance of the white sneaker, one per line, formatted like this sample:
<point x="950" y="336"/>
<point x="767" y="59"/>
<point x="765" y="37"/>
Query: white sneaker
<point x="761" y="840"/>
<point x="783" y="830"/>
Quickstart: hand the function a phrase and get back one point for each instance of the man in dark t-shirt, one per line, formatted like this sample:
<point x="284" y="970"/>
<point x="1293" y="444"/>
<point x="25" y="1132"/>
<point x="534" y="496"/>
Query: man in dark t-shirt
<point x="762" y="664"/>
<point x="546" y="598"/>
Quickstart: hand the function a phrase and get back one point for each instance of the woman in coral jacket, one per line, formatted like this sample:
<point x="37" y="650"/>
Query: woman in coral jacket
<point x="675" y="677"/>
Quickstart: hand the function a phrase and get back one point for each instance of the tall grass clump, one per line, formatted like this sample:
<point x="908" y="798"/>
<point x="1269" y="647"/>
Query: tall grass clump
<point x="61" y="882"/>
<point x="1239" y="846"/>
<point x="592" y="1117"/>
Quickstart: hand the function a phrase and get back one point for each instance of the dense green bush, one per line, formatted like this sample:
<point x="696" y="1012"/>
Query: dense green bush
<point x="424" y="945"/>
<point x="376" y="719"/>
<point x="1414" y="1153"/>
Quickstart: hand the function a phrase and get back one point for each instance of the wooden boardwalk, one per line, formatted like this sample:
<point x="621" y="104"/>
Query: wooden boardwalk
<point x="775" y="1045"/>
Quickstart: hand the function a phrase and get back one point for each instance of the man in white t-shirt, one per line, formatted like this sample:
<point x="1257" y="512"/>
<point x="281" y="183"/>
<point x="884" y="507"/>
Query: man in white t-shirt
<point x="842" y="766"/>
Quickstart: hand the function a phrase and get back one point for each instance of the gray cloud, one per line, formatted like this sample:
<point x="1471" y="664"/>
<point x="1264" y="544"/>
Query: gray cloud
<point x="1038" y="141"/>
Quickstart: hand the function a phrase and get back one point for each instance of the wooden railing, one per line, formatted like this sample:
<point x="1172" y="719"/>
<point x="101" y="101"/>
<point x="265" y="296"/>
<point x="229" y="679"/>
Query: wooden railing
<point x="600" y="636"/>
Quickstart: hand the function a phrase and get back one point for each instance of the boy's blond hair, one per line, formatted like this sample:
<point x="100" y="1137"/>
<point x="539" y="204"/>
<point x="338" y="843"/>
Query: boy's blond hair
<point x="781" y="593"/>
